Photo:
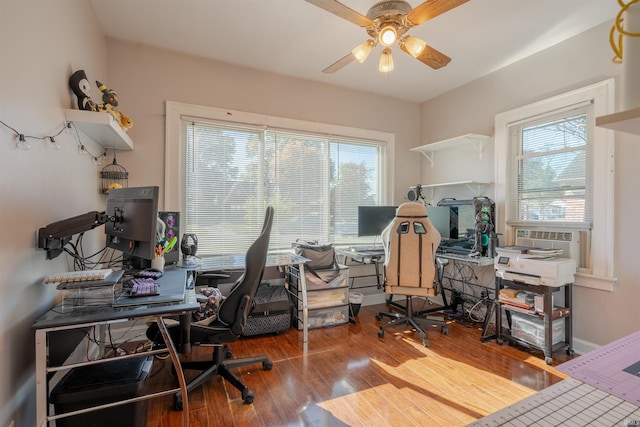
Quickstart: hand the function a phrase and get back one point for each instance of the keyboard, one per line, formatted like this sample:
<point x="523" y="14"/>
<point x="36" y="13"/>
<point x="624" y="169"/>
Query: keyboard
<point x="83" y="279"/>
<point x="567" y="403"/>
<point x="142" y="287"/>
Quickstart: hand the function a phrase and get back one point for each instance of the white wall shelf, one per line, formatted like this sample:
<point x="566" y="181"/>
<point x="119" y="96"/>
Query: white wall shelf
<point x="624" y="121"/>
<point x="101" y="127"/>
<point x="476" y="141"/>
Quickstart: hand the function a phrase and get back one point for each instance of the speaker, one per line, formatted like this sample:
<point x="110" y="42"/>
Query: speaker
<point x="172" y="221"/>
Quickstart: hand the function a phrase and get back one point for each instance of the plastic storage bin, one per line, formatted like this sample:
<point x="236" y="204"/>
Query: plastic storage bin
<point x="327" y="296"/>
<point x="531" y="329"/>
<point x="108" y="382"/>
<point x="325" y="317"/>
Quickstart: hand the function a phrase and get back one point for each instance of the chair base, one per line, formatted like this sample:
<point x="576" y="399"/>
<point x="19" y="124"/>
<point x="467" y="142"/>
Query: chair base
<point x="408" y="318"/>
<point x="221" y="364"/>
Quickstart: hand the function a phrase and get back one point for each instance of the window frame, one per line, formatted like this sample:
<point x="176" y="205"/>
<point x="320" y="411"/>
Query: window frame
<point x="601" y="274"/>
<point x="174" y="197"/>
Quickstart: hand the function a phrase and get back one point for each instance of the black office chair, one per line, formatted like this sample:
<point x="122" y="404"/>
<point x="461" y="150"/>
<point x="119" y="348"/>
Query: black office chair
<point x="230" y="323"/>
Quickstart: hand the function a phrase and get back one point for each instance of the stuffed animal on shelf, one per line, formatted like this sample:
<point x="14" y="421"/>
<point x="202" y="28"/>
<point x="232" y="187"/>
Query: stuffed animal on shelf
<point x="110" y="102"/>
<point x="80" y="86"/>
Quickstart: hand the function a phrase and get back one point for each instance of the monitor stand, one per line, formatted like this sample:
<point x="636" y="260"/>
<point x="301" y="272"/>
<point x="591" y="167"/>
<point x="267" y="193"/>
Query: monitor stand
<point x="188" y="261"/>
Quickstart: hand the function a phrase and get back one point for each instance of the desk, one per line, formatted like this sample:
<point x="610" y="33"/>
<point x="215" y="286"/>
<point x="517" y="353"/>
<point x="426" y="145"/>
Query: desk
<point x="363" y="255"/>
<point x="472" y="286"/>
<point x="274" y="259"/>
<point x="61" y="318"/>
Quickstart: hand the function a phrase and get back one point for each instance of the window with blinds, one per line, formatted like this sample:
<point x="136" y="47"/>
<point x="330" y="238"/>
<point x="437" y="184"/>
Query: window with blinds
<point x="549" y="166"/>
<point x="315" y="183"/>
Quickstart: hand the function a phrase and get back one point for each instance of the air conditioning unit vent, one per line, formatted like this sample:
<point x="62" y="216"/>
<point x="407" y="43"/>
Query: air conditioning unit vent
<point x="567" y="241"/>
<point x="563" y="236"/>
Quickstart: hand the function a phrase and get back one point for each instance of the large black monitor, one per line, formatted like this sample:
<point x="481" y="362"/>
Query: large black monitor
<point x="134" y="217"/>
<point x="373" y="219"/>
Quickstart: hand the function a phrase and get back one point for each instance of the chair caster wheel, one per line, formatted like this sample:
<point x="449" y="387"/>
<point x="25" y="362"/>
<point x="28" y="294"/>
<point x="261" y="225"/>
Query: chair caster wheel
<point x="378" y="317"/>
<point x="570" y="352"/>
<point x="228" y="354"/>
<point x="177" y="403"/>
<point x="267" y="366"/>
<point x="247" y="396"/>
<point x="381" y="333"/>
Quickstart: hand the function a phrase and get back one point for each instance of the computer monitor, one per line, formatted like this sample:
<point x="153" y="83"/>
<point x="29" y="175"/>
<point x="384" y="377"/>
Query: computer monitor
<point x="134" y="215"/>
<point x="373" y="219"/>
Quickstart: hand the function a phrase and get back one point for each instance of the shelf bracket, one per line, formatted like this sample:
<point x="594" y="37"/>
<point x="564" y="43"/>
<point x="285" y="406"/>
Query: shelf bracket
<point x="431" y="159"/>
<point x="479" y="145"/>
<point x="476" y="190"/>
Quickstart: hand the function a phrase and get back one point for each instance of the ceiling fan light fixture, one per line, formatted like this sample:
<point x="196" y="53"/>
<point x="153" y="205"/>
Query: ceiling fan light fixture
<point x="414" y="45"/>
<point x="388" y="35"/>
<point x="362" y="51"/>
<point x="386" y="61"/>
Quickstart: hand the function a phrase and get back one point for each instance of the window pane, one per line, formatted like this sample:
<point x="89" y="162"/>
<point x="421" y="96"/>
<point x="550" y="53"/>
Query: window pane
<point x="315" y="183"/>
<point x="552" y="165"/>
<point x="297" y="186"/>
<point x="222" y="166"/>
<point x="355" y="181"/>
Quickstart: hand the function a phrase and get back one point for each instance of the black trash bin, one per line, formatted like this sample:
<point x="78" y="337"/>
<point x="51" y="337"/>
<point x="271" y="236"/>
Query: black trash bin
<point x="108" y="382"/>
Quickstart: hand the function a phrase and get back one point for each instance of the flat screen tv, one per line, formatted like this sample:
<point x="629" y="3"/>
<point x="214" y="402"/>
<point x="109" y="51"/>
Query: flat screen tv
<point x="133" y="214"/>
<point x="373" y="219"/>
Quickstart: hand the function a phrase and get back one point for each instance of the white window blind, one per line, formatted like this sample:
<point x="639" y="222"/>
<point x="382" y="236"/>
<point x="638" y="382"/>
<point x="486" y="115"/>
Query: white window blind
<point x="550" y="163"/>
<point x="315" y="183"/>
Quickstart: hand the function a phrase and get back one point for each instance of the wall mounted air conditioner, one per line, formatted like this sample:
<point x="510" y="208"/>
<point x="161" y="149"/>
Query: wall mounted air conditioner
<point x="568" y="241"/>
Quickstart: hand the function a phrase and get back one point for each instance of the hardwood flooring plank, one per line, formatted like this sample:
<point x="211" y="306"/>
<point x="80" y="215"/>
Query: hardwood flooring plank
<point x="348" y="376"/>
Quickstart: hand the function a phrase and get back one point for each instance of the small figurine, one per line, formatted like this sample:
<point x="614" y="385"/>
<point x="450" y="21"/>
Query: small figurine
<point x="110" y="102"/>
<point x="79" y="84"/>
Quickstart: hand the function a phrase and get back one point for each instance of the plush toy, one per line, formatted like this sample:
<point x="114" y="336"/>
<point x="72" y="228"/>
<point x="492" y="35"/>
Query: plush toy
<point x="110" y="102"/>
<point x="79" y="84"/>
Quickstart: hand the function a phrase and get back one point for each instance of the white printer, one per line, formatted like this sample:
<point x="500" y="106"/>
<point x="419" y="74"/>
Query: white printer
<point x="535" y="270"/>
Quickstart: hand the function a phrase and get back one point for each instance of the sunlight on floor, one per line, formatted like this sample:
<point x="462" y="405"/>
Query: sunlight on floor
<point x="416" y="383"/>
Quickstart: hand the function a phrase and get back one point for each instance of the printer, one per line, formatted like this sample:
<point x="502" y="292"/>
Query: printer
<point x="532" y="270"/>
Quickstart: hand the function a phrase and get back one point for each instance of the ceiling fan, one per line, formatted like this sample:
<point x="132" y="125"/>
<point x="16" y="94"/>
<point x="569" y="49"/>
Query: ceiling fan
<point x="387" y="22"/>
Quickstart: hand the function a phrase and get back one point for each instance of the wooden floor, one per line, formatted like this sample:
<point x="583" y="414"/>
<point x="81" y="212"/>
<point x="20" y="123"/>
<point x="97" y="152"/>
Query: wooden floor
<point x="347" y="376"/>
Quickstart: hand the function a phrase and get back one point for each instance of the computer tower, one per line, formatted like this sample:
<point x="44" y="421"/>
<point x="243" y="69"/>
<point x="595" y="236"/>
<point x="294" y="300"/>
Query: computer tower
<point x="172" y="222"/>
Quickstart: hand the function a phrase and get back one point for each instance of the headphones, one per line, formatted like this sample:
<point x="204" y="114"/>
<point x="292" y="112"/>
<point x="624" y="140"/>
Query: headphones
<point x="189" y="244"/>
<point x="415" y="193"/>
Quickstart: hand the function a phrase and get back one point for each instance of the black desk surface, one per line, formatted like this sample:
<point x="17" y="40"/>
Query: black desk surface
<point x="172" y="283"/>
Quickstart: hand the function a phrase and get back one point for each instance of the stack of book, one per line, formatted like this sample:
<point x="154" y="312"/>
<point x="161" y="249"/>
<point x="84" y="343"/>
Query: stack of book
<point x="521" y="300"/>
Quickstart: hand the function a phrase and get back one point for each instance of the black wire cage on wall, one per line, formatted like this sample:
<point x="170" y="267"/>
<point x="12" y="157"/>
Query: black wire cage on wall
<point x="113" y="176"/>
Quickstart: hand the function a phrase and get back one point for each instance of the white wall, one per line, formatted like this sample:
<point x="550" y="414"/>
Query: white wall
<point x="599" y="316"/>
<point x="146" y="77"/>
<point x="41" y="43"/>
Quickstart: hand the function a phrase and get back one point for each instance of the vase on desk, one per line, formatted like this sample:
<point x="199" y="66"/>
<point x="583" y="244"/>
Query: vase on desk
<point x="158" y="263"/>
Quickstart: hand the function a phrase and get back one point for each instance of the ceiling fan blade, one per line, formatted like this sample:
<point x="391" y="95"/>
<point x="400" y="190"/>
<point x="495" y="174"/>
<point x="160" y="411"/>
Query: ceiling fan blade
<point x="339" y="9"/>
<point x="339" y="64"/>
<point x="430" y="9"/>
<point x="430" y="56"/>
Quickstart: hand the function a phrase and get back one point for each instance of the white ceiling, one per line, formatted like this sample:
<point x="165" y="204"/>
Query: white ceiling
<point x="298" y="39"/>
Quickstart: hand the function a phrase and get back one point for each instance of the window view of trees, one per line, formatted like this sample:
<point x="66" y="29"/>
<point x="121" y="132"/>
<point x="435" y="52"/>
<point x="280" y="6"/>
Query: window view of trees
<point x="314" y="182"/>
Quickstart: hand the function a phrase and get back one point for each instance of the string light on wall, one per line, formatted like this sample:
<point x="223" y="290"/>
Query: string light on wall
<point x="68" y="127"/>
